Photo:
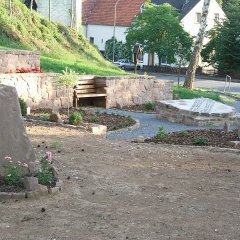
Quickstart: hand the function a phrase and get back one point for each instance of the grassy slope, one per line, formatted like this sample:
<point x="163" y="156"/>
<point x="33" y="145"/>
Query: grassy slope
<point x="60" y="46"/>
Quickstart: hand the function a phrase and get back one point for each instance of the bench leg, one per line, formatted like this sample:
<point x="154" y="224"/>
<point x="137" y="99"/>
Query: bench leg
<point x="75" y="102"/>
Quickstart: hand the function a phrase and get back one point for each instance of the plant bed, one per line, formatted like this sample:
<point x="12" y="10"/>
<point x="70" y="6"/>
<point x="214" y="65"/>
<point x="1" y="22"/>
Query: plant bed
<point x="211" y="137"/>
<point x="139" y="108"/>
<point x="111" y="121"/>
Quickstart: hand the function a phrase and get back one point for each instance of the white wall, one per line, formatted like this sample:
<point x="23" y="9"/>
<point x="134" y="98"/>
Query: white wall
<point x="189" y="21"/>
<point x="102" y="33"/>
<point x="60" y="11"/>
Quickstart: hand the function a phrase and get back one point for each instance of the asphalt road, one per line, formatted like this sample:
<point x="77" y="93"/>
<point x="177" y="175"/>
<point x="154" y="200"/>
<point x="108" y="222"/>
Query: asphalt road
<point x="211" y="83"/>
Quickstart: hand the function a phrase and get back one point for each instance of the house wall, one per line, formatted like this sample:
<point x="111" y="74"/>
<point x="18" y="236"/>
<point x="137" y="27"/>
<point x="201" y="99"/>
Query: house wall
<point x="42" y="91"/>
<point x="102" y="33"/>
<point x="60" y="11"/>
<point x="189" y="21"/>
<point x="12" y="59"/>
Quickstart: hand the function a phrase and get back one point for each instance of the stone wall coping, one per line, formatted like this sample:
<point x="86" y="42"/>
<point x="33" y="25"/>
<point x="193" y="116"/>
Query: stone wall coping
<point x="20" y="52"/>
<point x="3" y="75"/>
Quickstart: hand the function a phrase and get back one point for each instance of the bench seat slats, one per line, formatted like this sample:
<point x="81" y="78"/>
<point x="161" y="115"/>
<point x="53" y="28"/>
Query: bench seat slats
<point x="92" y="95"/>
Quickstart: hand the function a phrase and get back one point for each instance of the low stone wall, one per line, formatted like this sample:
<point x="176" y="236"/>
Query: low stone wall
<point x="133" y="90"/>
<point x="12" y="59"/>
<point x="40" y="90"/>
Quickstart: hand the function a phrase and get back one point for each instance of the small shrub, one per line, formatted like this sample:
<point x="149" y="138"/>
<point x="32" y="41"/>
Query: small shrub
<point x="183" y="133"/>
<point x="23" y="107"/>
<point x="44" y="116"/>
<point x="75" y="118"/>
<point x="93" y="119"/>
<point x="12" y="174"/>
<point x="201" y="141"/>
<point x="161" y="134"/>
<point x="150" y="106"/>
<point x="57" y="145"/>
<point x="44" y="173"/>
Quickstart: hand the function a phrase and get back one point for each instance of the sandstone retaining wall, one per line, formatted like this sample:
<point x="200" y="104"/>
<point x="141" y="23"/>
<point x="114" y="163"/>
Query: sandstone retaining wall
<point x="132" y="90"/>
<point x="40" y="90"/>
<point x="12" y="59"/>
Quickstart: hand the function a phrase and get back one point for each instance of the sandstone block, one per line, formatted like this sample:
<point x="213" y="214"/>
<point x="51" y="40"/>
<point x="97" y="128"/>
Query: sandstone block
<point x="100" y="130"/>
<point x="30" y="183"/>
<point x="54" y="190"/>
<point x="13" y="138"/>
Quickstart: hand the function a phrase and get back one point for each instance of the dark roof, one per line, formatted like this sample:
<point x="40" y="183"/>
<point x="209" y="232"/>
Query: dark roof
<point x="183" y="6"/>
<point x="102" y="11"/>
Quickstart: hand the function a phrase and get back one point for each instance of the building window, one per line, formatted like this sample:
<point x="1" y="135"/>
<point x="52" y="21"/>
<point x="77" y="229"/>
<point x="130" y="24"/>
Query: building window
<point x="91" y="40"/>
<point x="198" y="17"/>
<point x="216" y="17"/>
<point x="142" y="8"/>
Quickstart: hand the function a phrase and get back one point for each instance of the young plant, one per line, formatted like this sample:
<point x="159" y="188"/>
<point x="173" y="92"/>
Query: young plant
<point x="68" y="79"/>
<point x="23" y="107"/>
<point x="183" y="133"/>
<point x="12" y="174"/>
<point x="57" y="145"/>
<point x="76" y="118"/>
<point x="150" y="106"/>
<point x="201" y="141"/>
<point x="161" y="134"/>
<point x="93" y="119"/>
<point x="44" y="116"/>
<point x="44" y="173"/>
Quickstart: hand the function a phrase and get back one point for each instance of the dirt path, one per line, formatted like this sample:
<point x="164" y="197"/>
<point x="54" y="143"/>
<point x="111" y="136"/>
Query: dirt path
<point x="122" y="190"/>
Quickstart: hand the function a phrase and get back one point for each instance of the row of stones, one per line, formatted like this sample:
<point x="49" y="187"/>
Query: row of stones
<point x="194" y="121"/>
<point x="40" y="191"/>
<point x="173" y="109"/>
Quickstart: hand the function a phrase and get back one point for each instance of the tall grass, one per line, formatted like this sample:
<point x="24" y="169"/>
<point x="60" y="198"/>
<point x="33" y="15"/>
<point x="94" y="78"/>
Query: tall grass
<point x="60" y="46"/>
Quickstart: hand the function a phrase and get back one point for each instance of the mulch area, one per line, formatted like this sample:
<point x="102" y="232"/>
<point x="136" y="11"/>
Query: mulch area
<point x="6" y="188"/>
<point x="214" y="138"/>
<point x="137" y="108"/>
<point x="112" y="121"/>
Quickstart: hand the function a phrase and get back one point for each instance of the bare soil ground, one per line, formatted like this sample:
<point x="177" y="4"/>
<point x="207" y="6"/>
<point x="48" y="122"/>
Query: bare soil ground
<point x="123" y="190"/>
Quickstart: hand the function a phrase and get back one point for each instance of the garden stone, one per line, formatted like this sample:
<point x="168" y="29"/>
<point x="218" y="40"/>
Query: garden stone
<point x="99" y="130"/>
<point x="14" y="142"/>
<point x="30" y="183"/>
<point x="226" y="127"/>
<point x="55" y="117"/>
<point x="140" y="139"/>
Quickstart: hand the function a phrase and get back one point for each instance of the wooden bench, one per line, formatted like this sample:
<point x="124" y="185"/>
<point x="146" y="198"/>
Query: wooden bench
<point x="88" y="88"/>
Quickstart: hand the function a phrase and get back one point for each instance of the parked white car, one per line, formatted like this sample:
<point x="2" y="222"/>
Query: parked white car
<point x="126" y="64"/>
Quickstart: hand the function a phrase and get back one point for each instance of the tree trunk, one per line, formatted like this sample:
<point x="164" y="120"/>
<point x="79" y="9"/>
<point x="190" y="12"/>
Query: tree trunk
<point x="10" y="7"/>
<point x="192" y="67"/>
<point x="49" y="9"/>
<point x="31" y="5"/>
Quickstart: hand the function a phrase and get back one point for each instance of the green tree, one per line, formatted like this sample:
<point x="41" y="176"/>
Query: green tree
<point x="122" y="50"/>
<point x="229" y="6"/>
<point x="159" y="31"/>
<point x="223" y="50"/>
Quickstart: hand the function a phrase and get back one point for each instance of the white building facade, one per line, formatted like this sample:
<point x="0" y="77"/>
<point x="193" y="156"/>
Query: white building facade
<point x="67" y="12"/>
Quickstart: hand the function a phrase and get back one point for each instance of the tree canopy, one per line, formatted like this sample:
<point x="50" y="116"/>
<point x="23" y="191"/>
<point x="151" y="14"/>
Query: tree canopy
<point x="223" y="50"/>
<point x="159" y="31"/>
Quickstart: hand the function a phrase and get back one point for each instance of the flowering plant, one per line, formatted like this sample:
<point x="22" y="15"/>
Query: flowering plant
<point x="12" y="173"/>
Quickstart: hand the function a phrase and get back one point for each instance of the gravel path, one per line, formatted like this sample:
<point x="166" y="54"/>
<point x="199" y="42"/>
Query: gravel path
<point x="149" y="125"/>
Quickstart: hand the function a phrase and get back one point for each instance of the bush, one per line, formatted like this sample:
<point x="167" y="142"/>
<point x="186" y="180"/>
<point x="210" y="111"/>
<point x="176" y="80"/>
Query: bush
<point x="23" y="107"/>
<point x="150" y="106"/>
<point x="44" y="173"/>
<point x="75" y="118"/>
<point x="12" y="174"/>
<point x="201" y="141"/>
<point x="161" y="134"/>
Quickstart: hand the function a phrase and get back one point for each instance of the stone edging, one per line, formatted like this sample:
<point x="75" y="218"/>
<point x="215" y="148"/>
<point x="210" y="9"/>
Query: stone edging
<point x="131" y="128"/>
<point x="41" y="191"/>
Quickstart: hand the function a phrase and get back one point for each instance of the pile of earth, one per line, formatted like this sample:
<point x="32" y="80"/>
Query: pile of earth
<point x="112" y="121"/>
<point x="210" y="137"/>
